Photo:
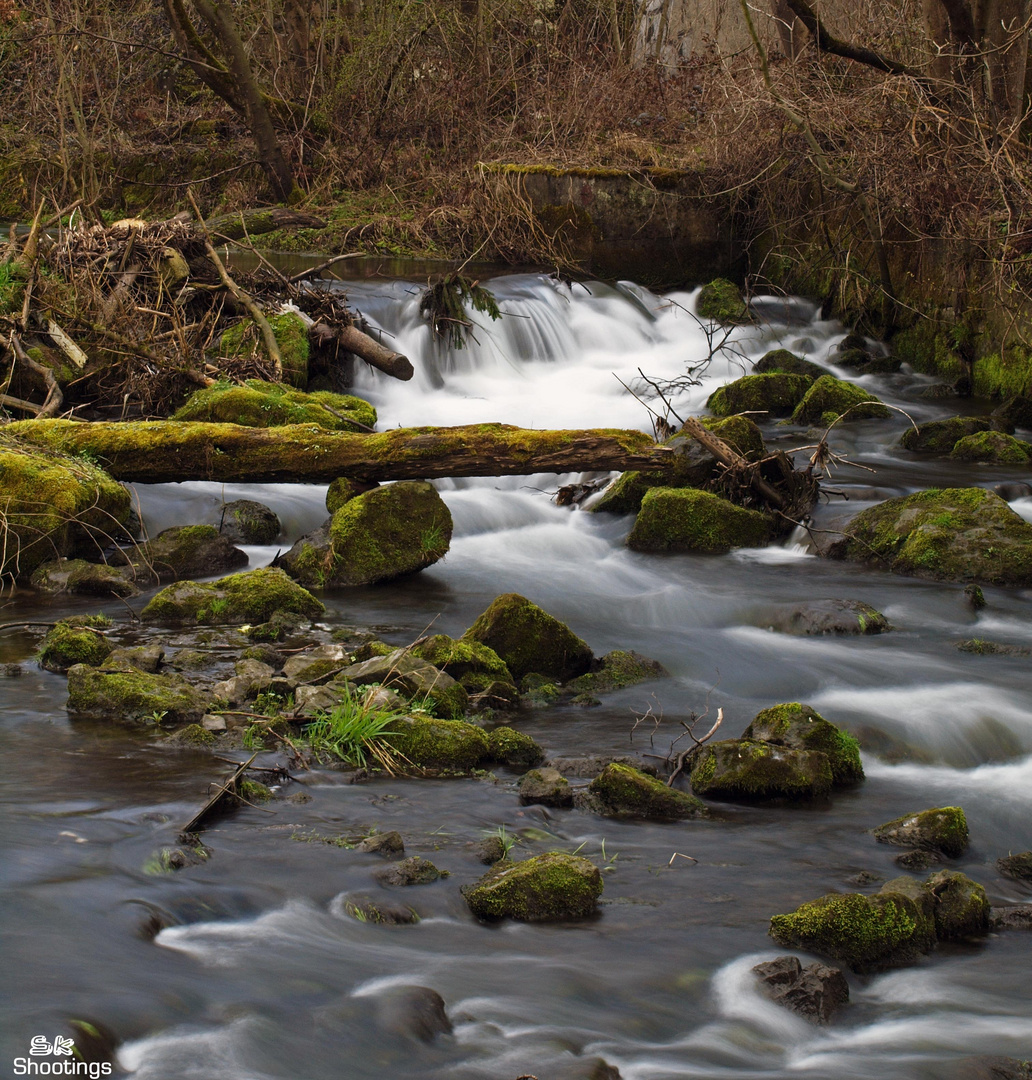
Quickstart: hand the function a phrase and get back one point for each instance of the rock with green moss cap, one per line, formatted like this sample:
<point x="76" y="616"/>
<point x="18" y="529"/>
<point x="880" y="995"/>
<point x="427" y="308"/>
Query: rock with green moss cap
<point x="684" y="519"/>
<point x="251" y="597"/>
<point x="722" y="301"/>
<point x="775" y="394"/>
<point x="830" y="398"/>
<point x="692" y="464"/>
<point x="182" y="552"/>
<point x="749" y="771"/>
<point x="142" y="657"/>
<point x="54" y="505"/>
<point x="623" y="791"/>
<point x="942" y="829"/>
<point x="940" y="436"/>
<point x="961" y="909"/>
<point x="787" y="363"/>
<point x="244" y="338"/>
<point x="545" y="787"/>
<point x="253" y="792"/>
<point x="411" y="871"/>
<point x="264" y="404"/>
<point x="956" y="534"/>
<point x="194" y="736"/>
<point x="799" y="727"/>
<point x="471" y="663"/>
<point x="75" y="641"/>
<point x="384" y="534"/>
<point x="618" y="669"/>
<point x="546" y="888"/>
<point x="992" y="448"/>
<point x="528" y="639"/>
<point x="413" y="678"/>
<point x="344" y="489"/>
<point x="511" y="747"/>
<point x="245" y="521"/>
<point x="134" y="697"/>
<point x="870" y="933"/>
<point x="826" y="617"/>
<point x="440" y="745"/>
<point x="77" y="577"/>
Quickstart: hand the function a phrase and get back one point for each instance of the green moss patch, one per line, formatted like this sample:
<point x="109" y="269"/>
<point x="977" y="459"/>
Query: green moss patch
<point x="722" y="301"/>
<point x="443" y="745"/>
<point x="830" y="398"/>
<point x="992" y="448"/>
<point x="684" y="519"/>
<point x="291" y="333"/>
<point x="940" y="436"/>
<point x="251" y="597"/>
<point x="131" y="696"/>
<point x="511" y="747"/>
<point x="775" y="394"/>
<point x="781" y="360"/>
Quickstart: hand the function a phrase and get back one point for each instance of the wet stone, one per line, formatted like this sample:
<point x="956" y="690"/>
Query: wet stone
<point x="411" y="871"/>
<point x="814" y="992"/>
<point x="489" y="850"/>
<point x="382" y="912"/>
<point x="1011" y="917"/>
<point x="413" y="1011"/>
<point x="388" y="843"/>
<point x="916" y="859"/>
<point x="547" y="787"/>
<point x="1018" y="867"/>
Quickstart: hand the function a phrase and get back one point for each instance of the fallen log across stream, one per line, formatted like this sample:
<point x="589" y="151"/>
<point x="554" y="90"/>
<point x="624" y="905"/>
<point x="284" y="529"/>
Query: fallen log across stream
<point x="163" y="451"/>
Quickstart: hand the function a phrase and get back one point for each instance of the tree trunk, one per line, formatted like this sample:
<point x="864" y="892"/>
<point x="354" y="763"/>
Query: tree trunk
<point x="163" y="451"/>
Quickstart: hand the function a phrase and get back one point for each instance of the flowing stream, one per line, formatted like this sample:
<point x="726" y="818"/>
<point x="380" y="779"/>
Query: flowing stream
<point x="265" y="977"/>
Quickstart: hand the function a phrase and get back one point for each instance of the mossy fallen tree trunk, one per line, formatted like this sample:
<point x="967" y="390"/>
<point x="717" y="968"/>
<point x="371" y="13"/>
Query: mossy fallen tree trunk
<point x="166" y="450"/>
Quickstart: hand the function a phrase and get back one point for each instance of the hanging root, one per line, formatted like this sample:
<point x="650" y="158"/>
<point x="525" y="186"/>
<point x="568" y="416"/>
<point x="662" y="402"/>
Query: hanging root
<point x="444" y="306"/>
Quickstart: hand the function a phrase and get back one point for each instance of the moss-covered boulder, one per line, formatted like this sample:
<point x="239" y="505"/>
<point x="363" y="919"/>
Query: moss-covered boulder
<point x="622" y="791"/>
<point x="956" y="534"/>
<point x="528" y="639"/>
<point x="344" y="489"/>
<point x="440" y="745"/>
<point x="184" y="551"/>
<point x="469" y="662"/>
<point x="748" y="771"/>
<point x="78" y="640"/>
<point x="251" y="597"/>
<point x="545" y="787"/>
<point x="684" y="519"/>
<point x="692" y="465"/>
<point x="829" y="398"/>
<point x="384" y="534"/>
<point x="992" y="448"/>
<point x="869" y="933"/>
<point x="961" y="909"/>
<point x="940" y="436"/>
<point x="799" y="727"/>
<point x="195" y="737"/>
<point x="264" y="404"/>
<point x="546" y="888"/>
<point x="245" y="521"/>
<point x="244" y="338"/>
<point x="131" y="696"/>
<point x="511" y="747"/>
<point x="618" y="669"/>
<point x="77" y="577"/>
<point x="943" y="829"/>
<point x="722" y="301"/>
<point x="54" y="505"/>
<point x="776" y="394"/>
<point x="787" y="363"/>
<point x="815" y="617"/>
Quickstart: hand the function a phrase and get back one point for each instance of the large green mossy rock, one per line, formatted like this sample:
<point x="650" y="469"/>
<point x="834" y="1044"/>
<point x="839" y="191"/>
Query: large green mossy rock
<point x="439" y="745"/>
<point x="692" y="465"/>
<point x="622" y="791"/>
<point x="781" y="360"/>
<point x="546" y="888"/>
<point x="869" y="933"/>
<point x="469" y="662"/>
<point x="529" y="640"/>
<point x="775" y="394"/>
<point x="722" y="301"/>
<point x="383" y="534"/>
<point x="940" y="436"/>
<point x="943" y="829"/>
<point x="53" y="505"/>
<point x="291" y="333"/>
<point x="956" y="534"/>
<point x="264" y="404"/>
<point x="78" y="640"/>
<point x="799" y="727"/>
<point x="830" y="398"/>
<point x="684" y="519"/>
<point x="747" y="771"/>
<point x="992" y="448"/>
<point x="250" y="597"/>
<point x="511" y="747"/>
<point x="961" y="908"/>
<point x="131" y="696"/>
<point x="184" y="551"/>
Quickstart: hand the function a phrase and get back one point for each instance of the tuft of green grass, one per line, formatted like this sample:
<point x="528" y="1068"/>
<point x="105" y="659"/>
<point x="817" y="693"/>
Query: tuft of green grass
<point x="355" y="732"/>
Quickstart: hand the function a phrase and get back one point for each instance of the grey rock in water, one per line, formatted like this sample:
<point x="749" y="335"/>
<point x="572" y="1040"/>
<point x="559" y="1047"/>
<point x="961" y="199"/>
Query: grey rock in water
<point x="916" y="859"/>
<point x="814" y="992"/>
<point x="387" y="843"/>
<point x="943" y="829"/>
<point x="411" y="871"/>
<point x="247" y="522"/>
<point x="1011" y="917"/>
<point x="489" y="850"/>
<point x="547" y="787"/>
<point x="1018" y="867"/>
<point x="827" y="617"/>
<point x="416" y="1012"/>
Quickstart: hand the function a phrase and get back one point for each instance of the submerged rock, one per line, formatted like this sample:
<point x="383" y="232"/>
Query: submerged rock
<point x="722" y="301"/>
<point x="622" y="791"/>
<point x="383" y="912"/>
<point x="781" y="360"/>
<point x="416" y="1012"/>
<point x="428" y="743"/>
<point x="411" y="871"/>
<point x="1011" y="917"/>
<point x="799" y="727"/>
<point x="956" y="534"/>
<point x="546" y="888"/>
<point x="133" y="697"/>
<point x="830" y="398"/>
<point x="78" y="640"/>
<point x="827" y="617"/>
<point x="489" y="850"/>
<point x="247" y="522"/>
<point x="546" y="787"/>
<point x="528" y="639"/>
<point x="264" y="404"/>
<point x="383" y="534"/>
<point x="1018" y="867"/>
<point x="776" y="394"/>
<point x="618" y="670"/>
<point x="684" y="519"/>
<point x="940" y="436"/>
<point x="941" y="829"/>
<point x="251" y="597"/>
<point x="738" y="769"/>
<point x="993" y="448"/>
<point x="815" y="992"/>
<point x="867" y="932"/>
